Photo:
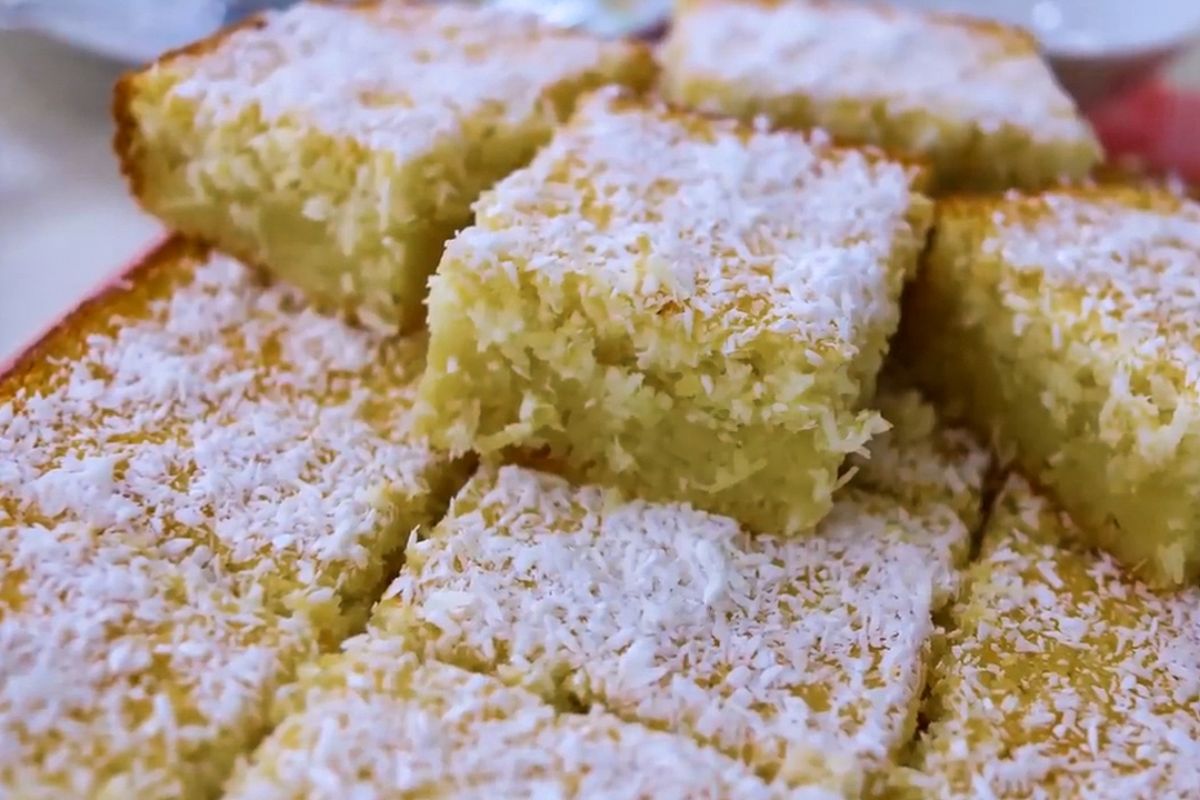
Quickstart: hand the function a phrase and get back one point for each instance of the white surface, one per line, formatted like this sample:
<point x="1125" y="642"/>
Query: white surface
<point x="66" y="220"/>
<point x="1088" y="26"/>
<point x="130" y="30"/>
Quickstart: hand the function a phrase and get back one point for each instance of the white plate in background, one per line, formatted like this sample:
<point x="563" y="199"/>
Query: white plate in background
<point x="1097" y="47"/>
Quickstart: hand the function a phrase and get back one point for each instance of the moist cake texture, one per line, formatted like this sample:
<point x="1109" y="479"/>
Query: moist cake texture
<point x="340" y="145"/>
<point x="803" y="656"/>
<point x="201" y="482"/>
<point x="919" y="457"/>
<point x="973" y="97"/>
<point x="1065" y="676"/>
<point x="1065" y="326"/>
<point x="374" y="722"/>
<point x="688" y="309"/>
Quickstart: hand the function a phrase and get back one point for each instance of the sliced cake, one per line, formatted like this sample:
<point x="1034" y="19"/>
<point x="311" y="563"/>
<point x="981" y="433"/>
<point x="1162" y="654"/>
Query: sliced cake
<point x="687" y="309"/>
<point x="202" y="481"/>
<point x="374" y="722"/>
<point x="803" y="656"/>
<point x="339" y="145"/>
<point x="972" y="97"/>
<point x="1065" y="676"/>
<point x="1064" y="326"/>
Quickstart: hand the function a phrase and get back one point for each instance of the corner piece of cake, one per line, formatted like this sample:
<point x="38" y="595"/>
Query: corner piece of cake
<point x="803" y="656"/>
<point x="975" y="98"/>
<point x="1065" y="326"/>
<point x="202" y="482"/>
<point x="340" y="145"/>
<point x="375" y="722"/>
<point x="1065" y="676"/>
<point x="688" y="309"/>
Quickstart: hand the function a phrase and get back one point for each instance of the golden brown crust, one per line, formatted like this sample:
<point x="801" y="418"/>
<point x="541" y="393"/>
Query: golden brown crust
<point x="159" y="266"/>
<point x="125" y="139"/>
<point x="1136" y="195"/>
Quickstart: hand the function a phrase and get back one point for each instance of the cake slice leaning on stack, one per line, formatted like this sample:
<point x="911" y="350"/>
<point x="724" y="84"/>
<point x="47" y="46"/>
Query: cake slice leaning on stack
<point x="688" y="309"/>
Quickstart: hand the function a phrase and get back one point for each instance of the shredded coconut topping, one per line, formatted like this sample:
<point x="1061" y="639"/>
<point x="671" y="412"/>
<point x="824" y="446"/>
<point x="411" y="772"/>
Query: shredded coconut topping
<point x="229" y="417"/>
<point x="114" y="660"/>
<point x="1116" y="273"/>
<point x="377" y="724"/>
<point x="984" y="74"/>
<point x="803" y="655"/>
<point x="1069" y="678"/>
<point x="706" y="221"/>
<point x="395" y="77"/>
<point x="918" y="458"/>
<point x="214" y="456"/>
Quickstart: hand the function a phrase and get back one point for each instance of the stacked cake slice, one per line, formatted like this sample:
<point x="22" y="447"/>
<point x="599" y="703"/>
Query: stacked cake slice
<point x="974" y="98"/>
<point x="685" y="308"/>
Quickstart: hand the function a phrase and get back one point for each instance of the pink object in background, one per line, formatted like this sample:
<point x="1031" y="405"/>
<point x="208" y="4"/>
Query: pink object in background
<point x="1157" y="123"/>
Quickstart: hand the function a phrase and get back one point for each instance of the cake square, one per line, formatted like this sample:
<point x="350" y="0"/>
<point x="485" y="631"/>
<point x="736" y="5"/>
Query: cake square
<point x="1064" y="326"/>
<point x="973" y="97"/>
<point x="201" y="481"/>
<point x="804" y="656"/>
<point x="339" y="145"/>
<point x="124" y="673"/>
<point x="687" y="309"/>
<point x="1065" y="676"/>
<point x="374" y="722"/>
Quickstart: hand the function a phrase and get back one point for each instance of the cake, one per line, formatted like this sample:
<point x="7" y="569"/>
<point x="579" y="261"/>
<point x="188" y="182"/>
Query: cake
<point x="974" y="98"/>
<point x="339" y="145"/>
<point x="375" y="722"/>
<point x="687" y="309"/>
<point x="1065" y="676"/>
<point x="1064" y="326"/>
<point x="202" y="482"/>
<point x="803" y="656"/>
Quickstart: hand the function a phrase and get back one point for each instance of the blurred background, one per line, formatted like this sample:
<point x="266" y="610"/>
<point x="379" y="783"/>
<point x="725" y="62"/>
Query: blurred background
<point x="66" y="221"/>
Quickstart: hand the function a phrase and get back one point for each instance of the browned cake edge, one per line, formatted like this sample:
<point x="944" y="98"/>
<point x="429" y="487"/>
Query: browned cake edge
<point x="94" y="311"/>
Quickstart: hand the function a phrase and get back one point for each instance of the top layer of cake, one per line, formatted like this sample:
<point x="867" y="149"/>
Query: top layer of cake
<point x="375" y="723"/>
<point x="1113" y="271"/>
<point x="803" y="655"/>
<point x="947" y="66"/>
<point x="734" y="230"/>
<point x="1066" y="677"/>
<point x="201" y="482"/>
<point x="320" y="64"/>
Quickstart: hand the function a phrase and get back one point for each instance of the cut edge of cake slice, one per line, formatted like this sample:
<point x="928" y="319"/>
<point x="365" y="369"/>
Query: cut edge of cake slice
<point x="596" y="318"/>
